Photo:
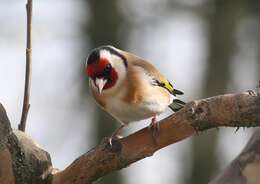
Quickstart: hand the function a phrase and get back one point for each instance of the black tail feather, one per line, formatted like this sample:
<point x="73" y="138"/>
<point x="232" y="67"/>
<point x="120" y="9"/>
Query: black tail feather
<point x="177" y="105"/>
<point x="177" y="92"/>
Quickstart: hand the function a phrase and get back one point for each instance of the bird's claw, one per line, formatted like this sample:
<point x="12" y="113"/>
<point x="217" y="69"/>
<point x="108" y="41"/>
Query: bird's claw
<point x="110" y="141"/>
<point x="114" y="144"/>
<point x="114" y="138"/>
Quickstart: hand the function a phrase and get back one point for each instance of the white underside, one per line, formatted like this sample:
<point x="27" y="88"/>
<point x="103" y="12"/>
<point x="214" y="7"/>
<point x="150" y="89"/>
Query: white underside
<point x="126" y="113"/>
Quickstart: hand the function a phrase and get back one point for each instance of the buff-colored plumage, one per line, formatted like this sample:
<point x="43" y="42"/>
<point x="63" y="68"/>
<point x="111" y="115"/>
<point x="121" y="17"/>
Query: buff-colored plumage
<point x="128" y="87"/>
<point x="136" y="96"/>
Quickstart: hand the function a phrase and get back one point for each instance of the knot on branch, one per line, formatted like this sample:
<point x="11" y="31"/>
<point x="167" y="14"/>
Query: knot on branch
<point x="199" y="113"/>
<point x="199" y="110"/>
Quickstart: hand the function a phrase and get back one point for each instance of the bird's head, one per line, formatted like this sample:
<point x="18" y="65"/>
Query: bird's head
<point x="106" y="67"/>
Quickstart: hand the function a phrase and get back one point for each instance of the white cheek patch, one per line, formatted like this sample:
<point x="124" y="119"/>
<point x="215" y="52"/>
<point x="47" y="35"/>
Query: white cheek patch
<point x="106" y="54"/>
<point x="119" y="66"/>
<point x="117" y="63"/>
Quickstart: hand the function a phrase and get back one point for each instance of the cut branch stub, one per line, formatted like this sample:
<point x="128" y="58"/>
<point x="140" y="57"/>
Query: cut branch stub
<point x="20" y="158"/>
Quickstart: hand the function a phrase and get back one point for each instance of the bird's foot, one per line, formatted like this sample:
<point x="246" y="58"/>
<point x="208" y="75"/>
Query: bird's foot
<point x="114" y="144"/>
<point x="116" y="135"/>
<point x="154" y="127"/>
<point x="114" y="138"/>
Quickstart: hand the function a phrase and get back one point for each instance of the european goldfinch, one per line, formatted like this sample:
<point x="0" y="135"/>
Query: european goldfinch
<point x="128" y="87"/>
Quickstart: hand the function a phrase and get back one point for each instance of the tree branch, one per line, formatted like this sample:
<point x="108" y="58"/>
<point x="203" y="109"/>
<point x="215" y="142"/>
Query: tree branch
<point x="234" y="110"/>
<point x="31" y="164"/>
<point x="27" y="86"/>
<point x="246" y="167"/>
<point x="22" y="161"/>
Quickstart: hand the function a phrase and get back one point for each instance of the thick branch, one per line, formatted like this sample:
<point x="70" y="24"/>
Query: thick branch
<point x="234" y="110"/>
<point x="27" y="86"/>
<point x="21" y="159"/>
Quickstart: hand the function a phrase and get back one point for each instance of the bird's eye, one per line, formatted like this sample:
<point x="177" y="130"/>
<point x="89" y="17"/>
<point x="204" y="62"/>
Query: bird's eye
<point x="107" y="70"/>
<point x="108" y="67"/>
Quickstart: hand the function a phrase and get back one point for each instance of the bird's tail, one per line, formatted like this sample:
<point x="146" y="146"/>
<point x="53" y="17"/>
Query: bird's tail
<point x="177" y="105"/>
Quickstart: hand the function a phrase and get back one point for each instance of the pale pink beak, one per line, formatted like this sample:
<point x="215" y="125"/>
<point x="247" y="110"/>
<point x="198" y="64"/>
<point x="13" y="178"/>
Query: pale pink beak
<point x="100" y="83"/>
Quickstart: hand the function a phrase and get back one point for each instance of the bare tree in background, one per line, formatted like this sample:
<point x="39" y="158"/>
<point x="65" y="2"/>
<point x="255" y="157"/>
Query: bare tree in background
<point x="222" y="26"/>
<point x="103" y="29"/>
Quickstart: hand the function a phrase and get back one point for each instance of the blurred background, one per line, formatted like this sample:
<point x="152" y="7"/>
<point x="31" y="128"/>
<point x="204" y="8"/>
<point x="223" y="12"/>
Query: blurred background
<point x="205" y="47"/>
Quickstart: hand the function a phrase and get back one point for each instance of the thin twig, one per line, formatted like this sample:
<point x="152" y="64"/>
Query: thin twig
<point x="27" y="86"/>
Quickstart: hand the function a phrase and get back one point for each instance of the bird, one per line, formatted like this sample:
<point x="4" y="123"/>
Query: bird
<point x="129" y="88"/>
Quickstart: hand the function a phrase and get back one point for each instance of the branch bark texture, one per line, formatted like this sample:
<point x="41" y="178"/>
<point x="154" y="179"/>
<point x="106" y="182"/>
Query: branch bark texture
<point x="22" y="161"/>
<point x="28" y="73"/>
<point x="234" y="110"/>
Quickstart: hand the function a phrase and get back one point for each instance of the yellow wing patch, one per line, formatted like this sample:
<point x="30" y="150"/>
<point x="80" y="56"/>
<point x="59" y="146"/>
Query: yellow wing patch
<point x="168" y="85"/>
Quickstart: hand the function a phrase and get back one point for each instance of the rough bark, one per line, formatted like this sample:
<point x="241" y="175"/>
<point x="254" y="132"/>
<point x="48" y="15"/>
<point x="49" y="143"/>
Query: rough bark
<point x="21" y="160"/>
<point x="30" y="164"/>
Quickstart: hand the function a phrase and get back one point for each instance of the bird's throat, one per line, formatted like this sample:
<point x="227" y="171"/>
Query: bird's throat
<point x="112" y="79"/>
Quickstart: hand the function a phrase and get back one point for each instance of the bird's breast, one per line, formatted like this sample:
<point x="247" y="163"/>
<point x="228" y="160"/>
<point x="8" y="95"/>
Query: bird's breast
<point x="127" y="112"/>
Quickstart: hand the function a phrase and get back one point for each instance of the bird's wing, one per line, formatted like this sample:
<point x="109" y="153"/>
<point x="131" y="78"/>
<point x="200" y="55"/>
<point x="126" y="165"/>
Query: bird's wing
<point x="159" y="79"/>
